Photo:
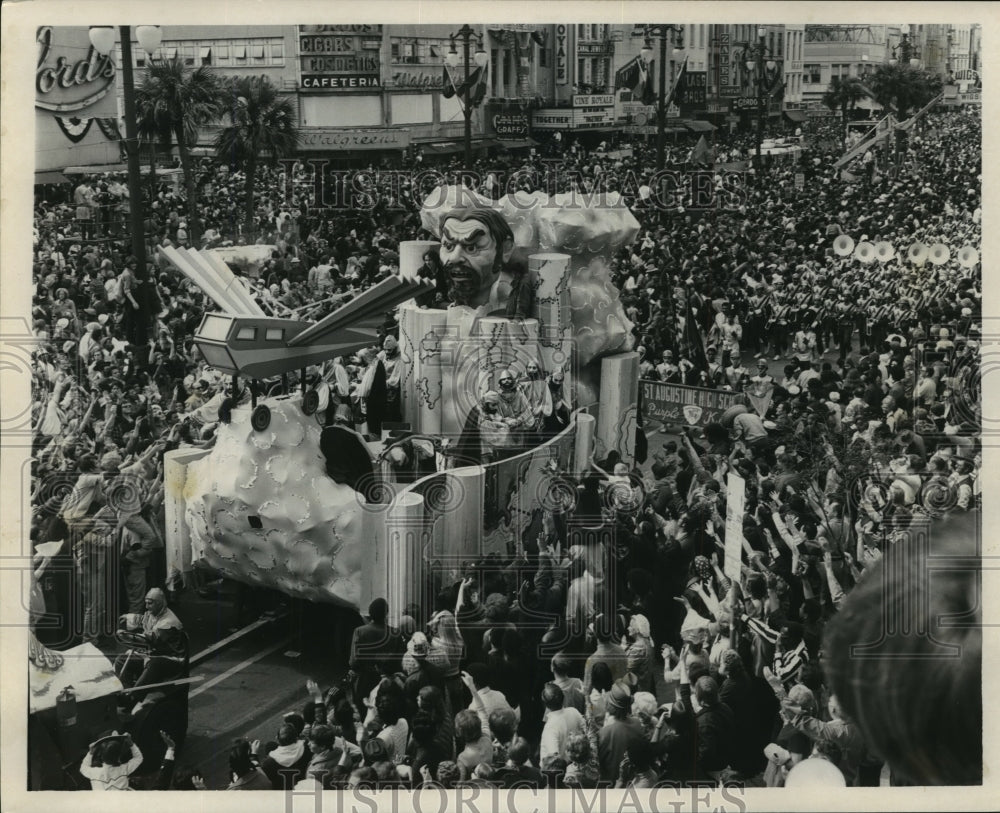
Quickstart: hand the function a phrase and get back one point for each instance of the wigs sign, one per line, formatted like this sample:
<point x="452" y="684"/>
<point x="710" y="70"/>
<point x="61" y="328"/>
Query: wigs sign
<point x="70" y="76"/>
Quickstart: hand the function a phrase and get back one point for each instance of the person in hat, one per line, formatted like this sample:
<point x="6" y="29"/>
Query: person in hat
<point x="714" y="375"/>
<point x="389" y="358"/>
<point x="200" y="396"/>
<point x="667" y="371"/>
<point x="486" y="435"/>
<point x="119" y="758"/>
<point x="420" y="672"/>
<point x="621" y="731"/>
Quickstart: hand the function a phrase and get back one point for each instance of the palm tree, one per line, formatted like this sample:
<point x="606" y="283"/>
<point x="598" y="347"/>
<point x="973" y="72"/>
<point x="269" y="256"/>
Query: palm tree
<point x="154" y="127"/>
<point x="180" y="100"/>
<point x="904" y="87"/>
<point x="844" y="94"/>
<point x="262" y="125"/>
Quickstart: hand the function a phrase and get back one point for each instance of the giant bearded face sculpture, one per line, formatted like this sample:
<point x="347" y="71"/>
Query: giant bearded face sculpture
<point x="475" y="245"/>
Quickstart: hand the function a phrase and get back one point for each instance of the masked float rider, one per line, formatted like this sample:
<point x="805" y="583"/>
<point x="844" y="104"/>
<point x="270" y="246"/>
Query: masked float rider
<point x="536" y="390"/>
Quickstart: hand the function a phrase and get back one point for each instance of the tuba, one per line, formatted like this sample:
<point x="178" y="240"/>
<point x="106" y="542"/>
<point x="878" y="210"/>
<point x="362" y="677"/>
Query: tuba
<point x="939" y="254"/>
<point x="917" y="253"/>
<point x="884" y="251"/>
<point x="865" y="252"/>
<point x="968" y="257"/>
<point x="843" y="245"/>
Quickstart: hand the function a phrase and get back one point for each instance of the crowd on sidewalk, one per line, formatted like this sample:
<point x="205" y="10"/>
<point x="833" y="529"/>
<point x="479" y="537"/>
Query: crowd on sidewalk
<point x="629" y="664"/>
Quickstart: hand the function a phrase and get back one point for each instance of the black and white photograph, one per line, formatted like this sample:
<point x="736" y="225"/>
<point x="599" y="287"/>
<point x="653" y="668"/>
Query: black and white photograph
<point x="577" y="408"/>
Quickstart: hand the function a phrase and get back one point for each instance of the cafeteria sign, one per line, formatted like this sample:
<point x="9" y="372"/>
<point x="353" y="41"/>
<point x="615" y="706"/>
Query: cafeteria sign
<point x="339" y="57"/>
<point x="689" y="406"/>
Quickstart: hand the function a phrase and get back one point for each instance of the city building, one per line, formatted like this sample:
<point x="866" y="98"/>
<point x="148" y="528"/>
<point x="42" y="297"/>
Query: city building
<point x="841" y="51"/>
<point x="76" y="121"/>
<point x="794" y="47"/>
<point x="962" y="53"/>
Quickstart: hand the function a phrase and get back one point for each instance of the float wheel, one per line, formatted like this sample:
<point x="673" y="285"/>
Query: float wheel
<point x="310" y="402"/>
<point x="261" y="418"/>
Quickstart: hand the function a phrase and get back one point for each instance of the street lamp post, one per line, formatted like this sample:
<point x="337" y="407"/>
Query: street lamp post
<point x="103" y="39"/>
<point x="661" y="30"/>
<point x="466" y="32"/>
<point x="906" y="50"/>
<point x="909" y="55"/>
<point x="757" y="55"/>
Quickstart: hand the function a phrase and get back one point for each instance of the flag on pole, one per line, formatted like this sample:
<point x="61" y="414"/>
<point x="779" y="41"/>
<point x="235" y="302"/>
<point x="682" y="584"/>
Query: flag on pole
<point x="634" y="76"/>
<point x="679" y="83"/>
<point x="759" y="396"/>
<point x="692" y="336"/>
<point x="702" y="153"/>
<point x="477" y="83"/>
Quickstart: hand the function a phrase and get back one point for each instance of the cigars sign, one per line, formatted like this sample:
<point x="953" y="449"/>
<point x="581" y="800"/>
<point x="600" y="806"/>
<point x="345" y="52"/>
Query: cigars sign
<point x="70" y="74"/>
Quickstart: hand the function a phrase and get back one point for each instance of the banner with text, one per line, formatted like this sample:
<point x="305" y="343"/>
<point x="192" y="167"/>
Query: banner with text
<point x="690" y="406"/>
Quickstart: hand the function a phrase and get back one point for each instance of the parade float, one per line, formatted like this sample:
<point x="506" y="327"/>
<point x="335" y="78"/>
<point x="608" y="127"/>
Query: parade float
<point x="260" y="506"/>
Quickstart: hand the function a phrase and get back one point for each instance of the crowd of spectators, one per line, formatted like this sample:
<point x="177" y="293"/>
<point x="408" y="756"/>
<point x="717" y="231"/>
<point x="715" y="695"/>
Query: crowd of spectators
<point x="627" y="663"/>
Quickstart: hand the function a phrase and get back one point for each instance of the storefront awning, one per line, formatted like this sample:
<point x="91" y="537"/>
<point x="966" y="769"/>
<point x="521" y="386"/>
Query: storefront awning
<point x="454" y="147"/>
<point x="442" y="147"/>
<point x="521" y="144"/>
<point x="97" y="169"/>
<point x="797" y="116"/>
<point x="53" y="176"/>
<point x="698" y="126"/>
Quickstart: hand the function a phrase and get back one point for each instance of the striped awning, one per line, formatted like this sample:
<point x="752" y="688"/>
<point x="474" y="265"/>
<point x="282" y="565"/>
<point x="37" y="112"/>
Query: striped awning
<point x="698" y="126"/>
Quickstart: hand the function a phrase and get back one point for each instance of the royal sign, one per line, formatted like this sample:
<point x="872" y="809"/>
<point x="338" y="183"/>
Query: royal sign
<point x="687" y="406"/>
<point x="562" y="70"/>
<point x="594" y="100"/>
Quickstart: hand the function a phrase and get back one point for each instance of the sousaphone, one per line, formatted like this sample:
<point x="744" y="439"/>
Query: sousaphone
<point x="968" y="257"/>
<point x="884" y="251"/>
<point x="843" y="245"/>
<point x="865" y="252"/>
<point x="917" y="253"/>
<point x="939" y="254"/>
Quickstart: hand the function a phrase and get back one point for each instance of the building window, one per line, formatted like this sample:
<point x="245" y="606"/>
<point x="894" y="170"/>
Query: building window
<point x="220" y="53"/>
<point x="277" y="53"/>
<point x="205" y="55"/>
<point x="581" y="32"/>
<point x="811" y="74"/>
<point x="258" y="51"/>
<point x="239" y="52"/>
<point x="543" y="56"/>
